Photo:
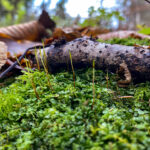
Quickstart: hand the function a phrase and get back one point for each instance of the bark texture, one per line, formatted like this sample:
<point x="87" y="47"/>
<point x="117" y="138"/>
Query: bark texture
<point x="106" y="56"/>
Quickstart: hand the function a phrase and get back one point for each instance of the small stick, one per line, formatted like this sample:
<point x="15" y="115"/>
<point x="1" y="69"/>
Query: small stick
<point x="9" y="62"/>
<point x="121" y="97"/>
<point x="20" y="58"/>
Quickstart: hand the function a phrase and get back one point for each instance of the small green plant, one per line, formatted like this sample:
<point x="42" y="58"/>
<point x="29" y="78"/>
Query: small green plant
<point x="30" y="76"/>
<point x="143" y="29"/>
<point x="72" y="68"/>
<point x="44" y="63"/>
<point x="37" y="60"/>
<point x="93" y="83"/>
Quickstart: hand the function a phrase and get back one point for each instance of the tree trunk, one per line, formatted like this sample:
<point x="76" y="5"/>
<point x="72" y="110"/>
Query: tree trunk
<point x="106" y="56"/>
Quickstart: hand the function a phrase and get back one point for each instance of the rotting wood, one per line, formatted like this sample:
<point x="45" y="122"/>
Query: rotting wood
<point x="85" y="50"/>
<point x="107" y="57"/>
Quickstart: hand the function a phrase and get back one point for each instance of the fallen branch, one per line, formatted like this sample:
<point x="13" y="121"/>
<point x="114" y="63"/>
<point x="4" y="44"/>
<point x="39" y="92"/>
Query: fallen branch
<point x="106" y="56"/>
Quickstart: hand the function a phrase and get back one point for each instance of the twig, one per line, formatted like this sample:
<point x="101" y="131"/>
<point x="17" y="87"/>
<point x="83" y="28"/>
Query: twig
<point x="122" y="97"/>
<point x="20" y="58"/>
<point x="17" y="66"/>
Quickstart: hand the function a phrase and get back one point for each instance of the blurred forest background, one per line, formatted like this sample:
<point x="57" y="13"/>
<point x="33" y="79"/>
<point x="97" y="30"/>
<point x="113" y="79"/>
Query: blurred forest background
<point x="127" y="14"/>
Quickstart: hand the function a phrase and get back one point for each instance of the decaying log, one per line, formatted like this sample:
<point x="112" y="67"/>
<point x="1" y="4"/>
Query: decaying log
<point x="135" y="61"/>
<point x="106" y="56"/>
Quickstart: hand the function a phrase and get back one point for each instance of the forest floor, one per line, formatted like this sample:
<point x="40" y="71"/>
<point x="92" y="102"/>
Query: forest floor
<point x="40" y="111"/>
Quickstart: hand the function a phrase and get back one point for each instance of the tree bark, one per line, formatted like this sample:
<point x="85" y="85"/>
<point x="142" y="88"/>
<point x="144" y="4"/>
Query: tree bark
<point x="106" y="56"/>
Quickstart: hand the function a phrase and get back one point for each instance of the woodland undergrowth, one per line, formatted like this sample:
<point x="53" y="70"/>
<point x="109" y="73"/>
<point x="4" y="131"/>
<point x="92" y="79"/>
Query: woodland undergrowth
<point x="54" y="111"/>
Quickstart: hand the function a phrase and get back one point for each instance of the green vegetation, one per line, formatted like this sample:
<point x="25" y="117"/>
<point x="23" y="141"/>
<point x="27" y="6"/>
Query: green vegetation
<point x="127" y="41"/>
<point x="143" y="29"/>
<point x="65" y="117"/>
<point x="14" y="11"/>
<point x="101" y="17"/>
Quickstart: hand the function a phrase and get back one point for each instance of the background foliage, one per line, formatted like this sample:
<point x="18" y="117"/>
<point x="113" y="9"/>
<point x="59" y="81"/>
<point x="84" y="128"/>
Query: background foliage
<point x="135" y="13"/>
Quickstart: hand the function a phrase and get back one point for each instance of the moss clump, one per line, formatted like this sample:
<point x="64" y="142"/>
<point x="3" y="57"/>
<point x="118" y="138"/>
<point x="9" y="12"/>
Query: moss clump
<point x="62" y="117"/>
<point x="127" y="41"/>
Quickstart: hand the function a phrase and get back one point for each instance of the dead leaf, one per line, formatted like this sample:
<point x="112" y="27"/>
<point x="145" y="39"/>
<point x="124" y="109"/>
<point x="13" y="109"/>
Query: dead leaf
<point x="17" y="48"/>
<point x="93" y="31"/>
<point x="32" y="31"/>
<point x="122" y="34"/>
<point x="3" y="54"/>
<point x="60" y="34"/>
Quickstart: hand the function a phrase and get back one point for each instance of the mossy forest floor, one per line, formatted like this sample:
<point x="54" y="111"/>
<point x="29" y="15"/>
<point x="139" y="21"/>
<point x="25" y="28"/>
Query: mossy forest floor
<point x="46" y="112"/>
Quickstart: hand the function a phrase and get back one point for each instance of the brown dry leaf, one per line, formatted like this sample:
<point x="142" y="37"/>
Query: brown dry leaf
<point x="2" y="35"/>
<point x="17" y="37"/>
<point x="122" y="34"/>
<point x="3" y="54"/>
<point x="33" y="31"/>
<point x="59" y="34"/>
<point x="86" y="31"/>
<point x="15" y="48"/>
<point x="92" y="31"/>
<point x="70" y="34"/>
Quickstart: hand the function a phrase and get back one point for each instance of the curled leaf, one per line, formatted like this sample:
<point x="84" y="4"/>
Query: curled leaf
<point x="127" y="75"/>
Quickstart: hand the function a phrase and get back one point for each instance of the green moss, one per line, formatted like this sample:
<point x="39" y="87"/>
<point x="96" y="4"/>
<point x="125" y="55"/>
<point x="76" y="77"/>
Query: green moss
<point x="127" y="41"/>
<point x="62" y="117"/>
